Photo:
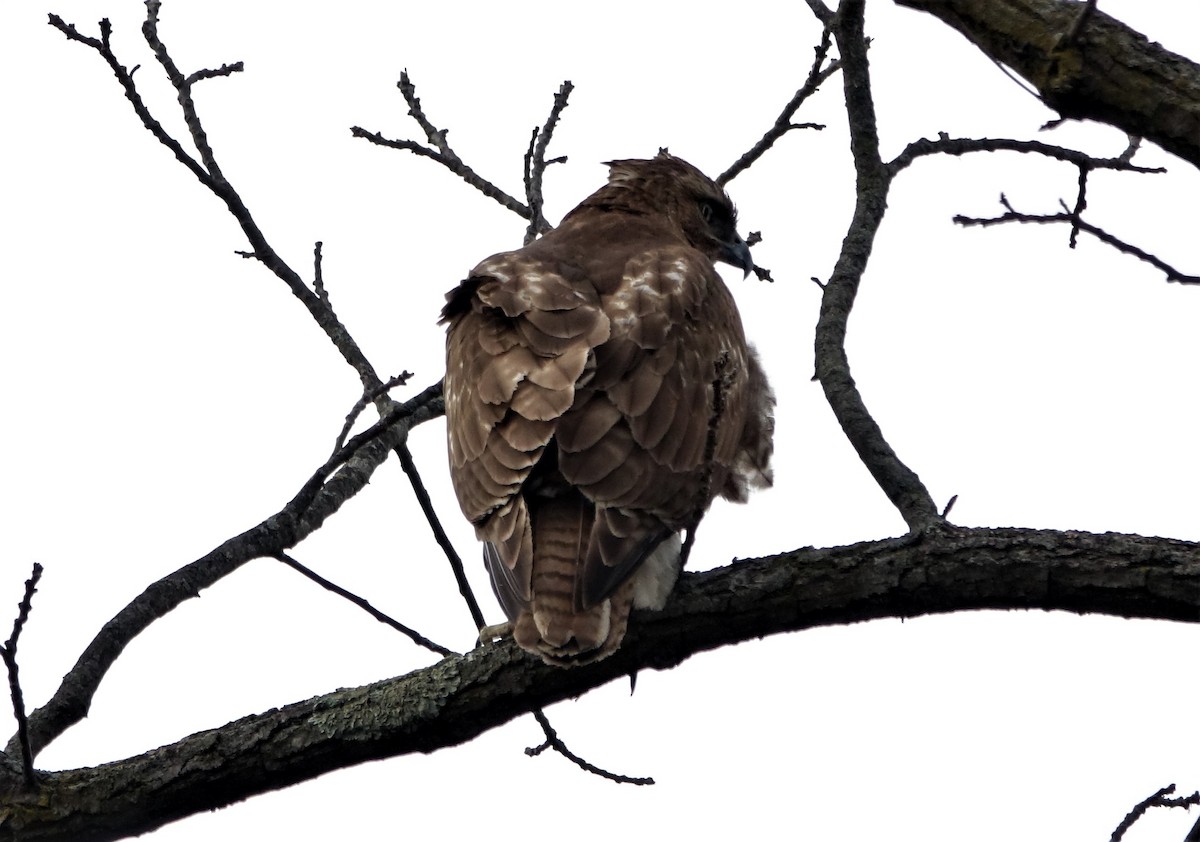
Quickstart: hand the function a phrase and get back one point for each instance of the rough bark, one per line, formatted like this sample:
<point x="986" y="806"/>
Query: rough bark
<point x="1099" y="70"/>
<point x="452" y="701"/>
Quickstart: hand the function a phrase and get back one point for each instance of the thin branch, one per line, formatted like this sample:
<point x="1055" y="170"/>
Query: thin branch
<point x="949" y="505"/>
<point x="873" y="180"/>
<point x="382" y="389"/>
<point x="210" y="175"/>
<point x="413" y="635"/>
<point x="1078" y="224"/>
<point x="946" y="145"/>
<point x="439" y="534"/>
<point x="817" y="74"/>
<point x="1158" y="799"/>
<point x="209" y="73"/>
<point x="9" y="653"/>
<point x="553" y="741"/>
<point x="458" y="168"/>
<point x="441" y="151"/>
<point x="339" y="479"/>
<point x="536" y="163"/>
<point x="125" y="77"/>
<point x="319" y="275"/>
<point x="183" y="87"/>
<point x="1080" y="206"/>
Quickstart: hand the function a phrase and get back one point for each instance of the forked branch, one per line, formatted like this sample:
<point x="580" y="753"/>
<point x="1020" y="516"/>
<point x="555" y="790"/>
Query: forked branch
<point x="902" y="486"/>
<point x="439" y="150"/>
<point x="817" y="74"/>
<point x="1073" y="218"/>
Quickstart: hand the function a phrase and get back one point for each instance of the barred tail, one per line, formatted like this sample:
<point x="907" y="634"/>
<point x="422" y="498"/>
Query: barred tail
<point x="554" y="628"/>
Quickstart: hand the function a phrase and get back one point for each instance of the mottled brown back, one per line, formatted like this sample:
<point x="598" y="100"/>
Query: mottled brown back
<point x="599" y="393"/>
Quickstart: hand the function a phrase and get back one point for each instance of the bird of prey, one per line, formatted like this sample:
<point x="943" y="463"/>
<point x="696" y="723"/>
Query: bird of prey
<point x="599" y="394"/>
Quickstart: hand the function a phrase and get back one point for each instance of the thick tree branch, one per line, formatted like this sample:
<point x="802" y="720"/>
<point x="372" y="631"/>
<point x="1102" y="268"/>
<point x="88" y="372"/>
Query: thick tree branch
<point x="1097" y="69"/>
<point x="460" y="697"/>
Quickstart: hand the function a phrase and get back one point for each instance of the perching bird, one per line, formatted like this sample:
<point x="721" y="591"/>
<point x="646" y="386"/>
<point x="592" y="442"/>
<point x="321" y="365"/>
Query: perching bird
<point x="600" y="393"/>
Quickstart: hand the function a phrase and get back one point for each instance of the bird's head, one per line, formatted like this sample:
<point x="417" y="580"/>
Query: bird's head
<point x="695" y="203"/>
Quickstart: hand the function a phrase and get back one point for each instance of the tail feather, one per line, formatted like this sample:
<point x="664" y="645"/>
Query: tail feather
<point x="552" y="627"/>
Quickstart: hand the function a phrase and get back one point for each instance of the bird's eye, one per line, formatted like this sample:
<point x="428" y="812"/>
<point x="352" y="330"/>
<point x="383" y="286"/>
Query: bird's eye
<point x="706" y="212"/>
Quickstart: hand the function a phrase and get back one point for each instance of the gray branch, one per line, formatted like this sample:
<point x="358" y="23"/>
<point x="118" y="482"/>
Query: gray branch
<point x="461" y="697"/>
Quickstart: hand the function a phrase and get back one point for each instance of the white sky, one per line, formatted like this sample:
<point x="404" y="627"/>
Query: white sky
<point x="162" y="395"/>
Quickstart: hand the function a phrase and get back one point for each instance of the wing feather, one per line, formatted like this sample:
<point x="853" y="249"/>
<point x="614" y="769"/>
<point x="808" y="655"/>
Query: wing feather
<point x="584" y="377"/>
<point x="519" y="340"/>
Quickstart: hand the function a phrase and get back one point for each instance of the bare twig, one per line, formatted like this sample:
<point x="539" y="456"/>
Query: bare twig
<point x="946" y="145"/>
<point x="760" y="272"/>
<point x="536" y="163"/>
<point x="1158" y="799"/>
<point x="209" y="173"/>
<point x="439" y="534"/>
<point x="949" y="505"/>
<point x="412" y="634"/>
<point x="441" y="151"/>
<point x="183" y="87"/>
<point x="319" y="276"/>
<point x="553" y="741"/>
<point x="1135" y="143"/>
<point x="379" y="391"/>
<point x="208" y="73"/>
<point x="1079" y="224"/>
<point x="817" y="74"/>
<point x="1073" y="216"/>
<point x="9" y="653"/>
<point x="103" y="46"/>
<point x="1080" y="206"/>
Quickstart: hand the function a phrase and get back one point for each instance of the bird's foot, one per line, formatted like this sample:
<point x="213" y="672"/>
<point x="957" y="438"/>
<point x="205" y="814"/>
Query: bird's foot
<point x="489" y="634"/>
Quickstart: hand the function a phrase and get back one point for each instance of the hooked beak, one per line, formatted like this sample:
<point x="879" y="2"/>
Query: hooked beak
<point x="737" y="253"/>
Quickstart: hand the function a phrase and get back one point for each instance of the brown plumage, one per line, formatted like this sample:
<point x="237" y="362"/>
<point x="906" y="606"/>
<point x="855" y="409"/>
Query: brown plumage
<point x="599" y="394"/>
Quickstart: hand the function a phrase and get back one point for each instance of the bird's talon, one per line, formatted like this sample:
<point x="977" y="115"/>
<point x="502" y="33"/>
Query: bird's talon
<point x="490" y="634"/>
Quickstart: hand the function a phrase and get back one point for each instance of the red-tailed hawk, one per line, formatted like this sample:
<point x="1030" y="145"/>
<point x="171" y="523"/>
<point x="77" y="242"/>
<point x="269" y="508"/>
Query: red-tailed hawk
<point x="599" y="394"/>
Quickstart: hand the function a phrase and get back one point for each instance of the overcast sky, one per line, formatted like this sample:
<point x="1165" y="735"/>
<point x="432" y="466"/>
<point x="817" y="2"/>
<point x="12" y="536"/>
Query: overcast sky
<point x="162" y="394"/>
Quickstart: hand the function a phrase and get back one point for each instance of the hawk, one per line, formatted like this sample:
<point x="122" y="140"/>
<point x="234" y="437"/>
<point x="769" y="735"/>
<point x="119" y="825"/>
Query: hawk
<point x="600" y="393"/>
